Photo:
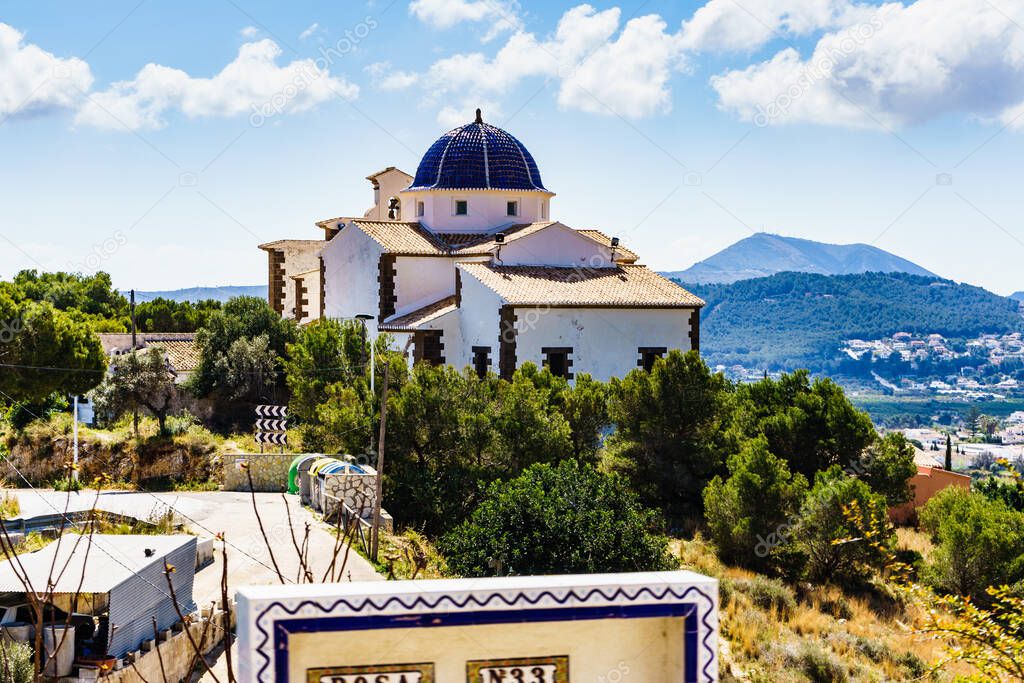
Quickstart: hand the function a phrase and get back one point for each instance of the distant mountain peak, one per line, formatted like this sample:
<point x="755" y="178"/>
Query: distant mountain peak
<point x="763" y="254"/>
<point x="195" y="294"/>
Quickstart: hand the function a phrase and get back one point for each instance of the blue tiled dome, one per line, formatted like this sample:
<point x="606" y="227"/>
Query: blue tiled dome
<point x="477" y="156"/>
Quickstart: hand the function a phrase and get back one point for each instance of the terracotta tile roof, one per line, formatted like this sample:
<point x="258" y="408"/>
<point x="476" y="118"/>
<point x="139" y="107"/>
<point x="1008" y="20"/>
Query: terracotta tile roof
<point x="621" y="253"/>
<point x="122" y="341"/>
<point x="309" y="245"/>
<point x="625" y="285"/>
<point x="412" y="321"/>
<point x="182" y="355"/>
<point x="484" y="244"/>
<point x="403" y="238"/>
<point x="179" y="347"/>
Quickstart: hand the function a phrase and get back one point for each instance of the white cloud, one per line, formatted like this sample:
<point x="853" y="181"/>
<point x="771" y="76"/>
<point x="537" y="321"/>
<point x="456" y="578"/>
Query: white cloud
<point x="310" y="30"/>
<point x="33" y="81"/>
<point x="906" y="65"/>
<point x="502" y="15"/>
<point x="628" y="76"/>
<point x="250" y="32"/>
<point x="597" y="71"/>
<point x="387" y="78"/>
<point x="252" y="83"/>
<point x="744" y="26"/>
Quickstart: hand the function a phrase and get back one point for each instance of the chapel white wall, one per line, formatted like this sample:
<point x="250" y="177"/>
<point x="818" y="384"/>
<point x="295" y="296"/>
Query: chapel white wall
<point x="488" y="209"/>
<point x="351" y="267"/>
<point x="422" y="280"/>
<point x="604" y="341"/>
<point x="555" y="245"/>
<point x="478" y="323"/>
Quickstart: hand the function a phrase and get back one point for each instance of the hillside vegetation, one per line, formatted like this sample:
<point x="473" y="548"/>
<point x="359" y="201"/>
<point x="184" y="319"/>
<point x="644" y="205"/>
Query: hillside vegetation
<point x="800" y="319"/>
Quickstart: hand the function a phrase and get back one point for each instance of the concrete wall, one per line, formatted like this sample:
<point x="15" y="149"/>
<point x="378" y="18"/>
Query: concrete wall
<point x="175" y="651"/>
<point x="488" y="209"/>
<point x="269" y="471"/>
<point x="604" y="341"/>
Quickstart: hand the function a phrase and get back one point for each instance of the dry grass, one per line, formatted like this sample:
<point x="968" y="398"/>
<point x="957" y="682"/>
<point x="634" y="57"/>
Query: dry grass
<point x="912" y="539"/>
<point x="827" y="636"/>
<point x="9" y="506"/>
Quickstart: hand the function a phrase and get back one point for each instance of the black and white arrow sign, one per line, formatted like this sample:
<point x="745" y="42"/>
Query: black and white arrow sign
<point x="277" y="438"/>
<point x="265" y="425"/>
<point x="271" y="411"/>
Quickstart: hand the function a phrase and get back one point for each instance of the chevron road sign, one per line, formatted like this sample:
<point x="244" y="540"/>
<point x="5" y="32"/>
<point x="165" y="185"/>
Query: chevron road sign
<point x="267" y="425"/>
<point x="276" y="438"/>
<point x="271" y="411"/>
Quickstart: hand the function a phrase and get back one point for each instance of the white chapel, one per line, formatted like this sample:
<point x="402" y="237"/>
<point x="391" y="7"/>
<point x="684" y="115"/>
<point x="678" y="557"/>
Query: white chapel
<point x="465" y="262"/>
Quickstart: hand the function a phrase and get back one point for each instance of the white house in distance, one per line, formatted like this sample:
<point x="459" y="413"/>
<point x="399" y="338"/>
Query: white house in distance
<point x="465" y="259"/>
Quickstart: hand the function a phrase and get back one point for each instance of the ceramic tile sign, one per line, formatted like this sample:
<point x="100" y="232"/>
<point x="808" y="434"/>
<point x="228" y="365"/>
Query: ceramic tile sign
<point x="523" y="670"/>
<point x="386" y="673"/>
<point x="654" y="627"/>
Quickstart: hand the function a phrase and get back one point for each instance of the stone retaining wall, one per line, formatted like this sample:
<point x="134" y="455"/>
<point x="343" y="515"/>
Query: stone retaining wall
<point x="269" y="471"/>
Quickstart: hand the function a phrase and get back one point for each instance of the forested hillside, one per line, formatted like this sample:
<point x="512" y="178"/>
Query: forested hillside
<point x="794" y="320"/>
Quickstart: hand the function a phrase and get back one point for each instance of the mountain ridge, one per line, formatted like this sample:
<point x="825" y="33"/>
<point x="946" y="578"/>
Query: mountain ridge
<point x="194" y="294"/>
<point x="764" y="254"/>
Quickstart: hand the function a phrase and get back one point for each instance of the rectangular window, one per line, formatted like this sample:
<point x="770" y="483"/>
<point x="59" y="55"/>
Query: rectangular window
<point x="558" y="360"/>
<point x="649" y="354"/>
<point x="512" y="208"/>
<point x="481" y="360"/>
<point x="419" y="209"/>
<point x="461" y="207"/>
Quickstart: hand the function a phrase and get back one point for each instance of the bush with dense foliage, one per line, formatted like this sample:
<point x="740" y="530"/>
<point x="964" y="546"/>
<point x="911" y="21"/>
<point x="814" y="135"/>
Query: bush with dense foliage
<point x="979" y="542"/>
<point x="137" y="381"/>
<point x="749" y="513"/>
<point x="558" y="519"/>
<point x="835" y="547"/>
<point x="669" y="431"/>
<point x="241" y="347"/>
<point x="887" y="466"/>
<point x="810" y="424"/>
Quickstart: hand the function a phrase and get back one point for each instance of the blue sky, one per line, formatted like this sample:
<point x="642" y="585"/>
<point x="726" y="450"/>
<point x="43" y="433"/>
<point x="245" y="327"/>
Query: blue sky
<point x="161" y="142"/>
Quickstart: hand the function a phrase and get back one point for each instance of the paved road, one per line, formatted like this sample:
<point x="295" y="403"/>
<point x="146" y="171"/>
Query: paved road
<point x="210" y="513"/>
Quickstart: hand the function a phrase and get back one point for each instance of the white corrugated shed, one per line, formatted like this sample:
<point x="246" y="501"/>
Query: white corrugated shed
<point x="128" y="568"/>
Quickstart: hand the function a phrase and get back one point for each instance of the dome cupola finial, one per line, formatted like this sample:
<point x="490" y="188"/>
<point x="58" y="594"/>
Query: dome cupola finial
<point x="479" y="116"/>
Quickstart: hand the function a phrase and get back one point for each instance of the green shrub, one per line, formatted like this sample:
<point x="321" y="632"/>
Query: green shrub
<point x="820" y="666"/>
<point x="561" y="519"/>
<point x="979" y="542"/>
<point x="16" y="664"/>
<point x="749" y="514"/>
<point x="67" y="484"/>
<point x="768" y="594"/>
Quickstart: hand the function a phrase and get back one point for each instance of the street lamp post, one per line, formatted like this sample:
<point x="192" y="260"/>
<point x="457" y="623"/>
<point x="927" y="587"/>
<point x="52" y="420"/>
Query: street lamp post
<point x="363" y="317"/>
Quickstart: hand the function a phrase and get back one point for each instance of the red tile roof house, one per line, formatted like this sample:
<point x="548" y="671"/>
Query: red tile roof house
<point x="926" y="484"/>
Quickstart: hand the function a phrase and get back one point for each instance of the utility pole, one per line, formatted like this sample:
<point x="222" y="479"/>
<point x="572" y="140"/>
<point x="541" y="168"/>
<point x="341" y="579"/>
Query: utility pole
<point x="135" y="409"/>
<point x="375" y="545"/>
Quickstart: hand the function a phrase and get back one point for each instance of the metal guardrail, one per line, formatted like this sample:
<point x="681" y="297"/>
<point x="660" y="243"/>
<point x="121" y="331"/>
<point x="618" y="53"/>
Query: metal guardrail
<point x="52" y="523"/>
<point x="349" y="518"/>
